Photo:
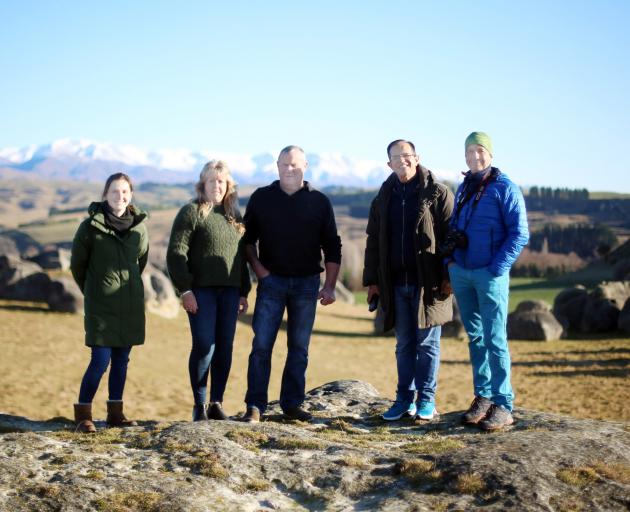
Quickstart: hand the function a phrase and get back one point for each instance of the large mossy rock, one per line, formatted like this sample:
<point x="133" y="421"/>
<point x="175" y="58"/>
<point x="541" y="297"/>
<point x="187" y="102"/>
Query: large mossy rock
<point x="345" y="459"/>
<point x="533" y="320"/>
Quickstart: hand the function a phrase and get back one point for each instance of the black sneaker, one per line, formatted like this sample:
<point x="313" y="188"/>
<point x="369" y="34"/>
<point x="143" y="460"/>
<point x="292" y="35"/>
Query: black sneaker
<point x="477" y="411"/>
<point x="497" y="418"/>
<point x="199" y="413"/>
<point x="297" y="413"/>
<point x="215" y="412"/>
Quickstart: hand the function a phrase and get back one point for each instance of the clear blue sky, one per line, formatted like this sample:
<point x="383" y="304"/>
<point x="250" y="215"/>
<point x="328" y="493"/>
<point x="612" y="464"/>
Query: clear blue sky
<point x="549" y="81"/>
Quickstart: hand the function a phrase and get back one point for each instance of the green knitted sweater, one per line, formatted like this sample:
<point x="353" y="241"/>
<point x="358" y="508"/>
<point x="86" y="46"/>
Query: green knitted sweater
<point x="206" y="251"/>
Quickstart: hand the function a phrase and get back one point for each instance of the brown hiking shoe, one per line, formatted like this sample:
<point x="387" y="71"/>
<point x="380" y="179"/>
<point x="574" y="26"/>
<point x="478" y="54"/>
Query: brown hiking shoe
<point x="252" y="415"/>
<point x="497" y="418"/>
<point x="215" y="412"/>
<point x="83" y="418"/>
<point x="115" y="415"/>
<point x="477" y="410"/>
<point x="297" y="413"/>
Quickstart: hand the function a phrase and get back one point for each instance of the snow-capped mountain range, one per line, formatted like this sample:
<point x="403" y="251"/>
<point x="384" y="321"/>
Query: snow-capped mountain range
<point x="85" y="160"/>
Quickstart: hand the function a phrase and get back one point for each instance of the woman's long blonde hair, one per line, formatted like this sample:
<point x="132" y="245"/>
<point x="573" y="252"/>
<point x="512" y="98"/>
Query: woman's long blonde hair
<point x="230" y="200"/>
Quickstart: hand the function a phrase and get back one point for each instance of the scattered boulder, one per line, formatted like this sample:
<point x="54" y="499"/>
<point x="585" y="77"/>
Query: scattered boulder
<point x="343" y="294"/>
<point x="65" y="296"/>
<point x="159" y="295"/>
<point x="8" y="247"/>
<point x="22" y="280"/>
<point x="623" y="322"/>
<point x="603" y="305"/>
<point x="157" y="256"/>
<point x="568" y="307"/>
<point x="53" y="259"/>
<point x="621" y="270"/>
<point x="345" y="459"/>
<point x="26" y="244"/>
<point x="533" y="320"/>
<point x="454" y="328"/>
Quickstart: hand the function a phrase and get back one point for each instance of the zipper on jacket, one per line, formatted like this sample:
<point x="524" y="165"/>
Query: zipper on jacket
<point x="402" y="242"/>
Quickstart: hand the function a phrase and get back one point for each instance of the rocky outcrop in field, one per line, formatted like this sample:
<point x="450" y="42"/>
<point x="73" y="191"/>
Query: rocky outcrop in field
<point x="533" y="320"/>
<point x="346" y="459"/>
<point x="598" y="311"/>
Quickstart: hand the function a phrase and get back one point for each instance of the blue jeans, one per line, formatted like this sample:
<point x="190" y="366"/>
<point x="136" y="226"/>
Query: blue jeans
<point x="275" y="293"/>
<point x="483" y="303"/>
<point x="99" y="362"/>
<point x="417" y="350"/>
<point x="212" y="329"/>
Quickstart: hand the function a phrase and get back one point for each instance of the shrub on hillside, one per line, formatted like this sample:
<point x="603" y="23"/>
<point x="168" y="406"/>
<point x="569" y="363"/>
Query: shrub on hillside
<point x="546" y="264"/>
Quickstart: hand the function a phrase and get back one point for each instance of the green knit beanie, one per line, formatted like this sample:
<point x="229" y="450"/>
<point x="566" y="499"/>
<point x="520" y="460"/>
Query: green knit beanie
<point x="481" y="138"/>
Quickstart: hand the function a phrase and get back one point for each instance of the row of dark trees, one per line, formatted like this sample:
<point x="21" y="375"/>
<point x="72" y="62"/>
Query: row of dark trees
<point x="567" y="194"/>
<point x="586" y="240"/>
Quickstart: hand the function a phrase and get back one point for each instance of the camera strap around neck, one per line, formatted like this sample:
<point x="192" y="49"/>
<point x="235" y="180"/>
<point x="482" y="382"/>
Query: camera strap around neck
<point x="465" y="197"/>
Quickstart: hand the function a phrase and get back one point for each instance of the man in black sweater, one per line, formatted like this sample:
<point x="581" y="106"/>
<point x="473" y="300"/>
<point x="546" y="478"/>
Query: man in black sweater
<point x="292" y="224"/>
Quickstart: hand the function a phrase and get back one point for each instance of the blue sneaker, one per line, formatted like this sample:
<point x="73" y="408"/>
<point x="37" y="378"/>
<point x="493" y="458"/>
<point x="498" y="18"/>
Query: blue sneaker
<point x="398" y="410"/>
<point x="426" y="411"/>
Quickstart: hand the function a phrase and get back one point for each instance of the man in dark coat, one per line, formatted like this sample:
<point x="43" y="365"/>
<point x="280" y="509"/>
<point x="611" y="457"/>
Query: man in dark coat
<point x="293" y="225"/>
<point x="409" y="218"/>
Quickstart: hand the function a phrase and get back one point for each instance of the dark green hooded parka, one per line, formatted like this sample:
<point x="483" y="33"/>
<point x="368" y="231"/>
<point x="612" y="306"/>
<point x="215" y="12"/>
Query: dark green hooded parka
<point x="107" y="268"/>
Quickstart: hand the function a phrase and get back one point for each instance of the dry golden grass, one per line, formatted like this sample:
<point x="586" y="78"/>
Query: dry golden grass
<point x="578" y="476"/>
<point x="43" y="360"/>
<point x="470" y="483"/>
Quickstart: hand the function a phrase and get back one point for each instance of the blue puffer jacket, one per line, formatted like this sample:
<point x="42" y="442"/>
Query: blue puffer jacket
<point x="497" y="230"/>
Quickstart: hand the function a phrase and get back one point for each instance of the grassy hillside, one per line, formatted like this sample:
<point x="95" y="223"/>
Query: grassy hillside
<point x="43" y="359"/>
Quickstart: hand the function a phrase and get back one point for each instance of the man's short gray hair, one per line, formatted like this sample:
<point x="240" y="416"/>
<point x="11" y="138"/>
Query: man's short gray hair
<point x="288" y="149"/>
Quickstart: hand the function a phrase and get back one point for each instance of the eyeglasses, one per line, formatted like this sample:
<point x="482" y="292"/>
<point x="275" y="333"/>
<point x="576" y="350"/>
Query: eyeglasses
<point x="400" y="158"/>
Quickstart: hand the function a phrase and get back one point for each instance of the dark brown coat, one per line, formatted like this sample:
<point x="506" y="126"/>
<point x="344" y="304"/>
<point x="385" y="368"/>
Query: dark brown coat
<point x="435" y="209"/>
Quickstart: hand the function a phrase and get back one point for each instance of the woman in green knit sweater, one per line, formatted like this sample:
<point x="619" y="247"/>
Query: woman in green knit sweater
<point x="206" y="262"/>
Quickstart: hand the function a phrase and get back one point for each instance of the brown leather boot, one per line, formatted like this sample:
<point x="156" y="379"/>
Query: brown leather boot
<point x="83" y="418"/>
<point x="115" y="415"/>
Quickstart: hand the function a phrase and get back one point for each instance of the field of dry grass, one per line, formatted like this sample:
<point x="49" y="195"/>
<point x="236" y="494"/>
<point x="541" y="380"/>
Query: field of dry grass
<point x="43" y="358"/>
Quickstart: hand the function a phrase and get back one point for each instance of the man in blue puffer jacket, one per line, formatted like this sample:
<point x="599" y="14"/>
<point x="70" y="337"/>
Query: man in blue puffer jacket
<point x="490" y="211"/>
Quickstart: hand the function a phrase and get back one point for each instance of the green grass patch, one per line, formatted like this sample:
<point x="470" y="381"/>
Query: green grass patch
<point x="62" y="460"/>
<point x="95" y="474"/>
<point x="470" y="483"/>
<point x="103" y="436"/>
<point x="360" y="298"/>
<point x="432" y="445"/>
<point x="250" y="439"/>
<point x="352" y="461"/>
<point x="295" y="443"/>
<point x="418" y="471"/>
<point x="529" y="288"/>
<point x="52" y="232"/>
<point x="207" y="464"/>
<point x="613" y="471"/>
<point x="578" y="476"/>
<point x="126" y="501"/>
<point x="256" y="485"/>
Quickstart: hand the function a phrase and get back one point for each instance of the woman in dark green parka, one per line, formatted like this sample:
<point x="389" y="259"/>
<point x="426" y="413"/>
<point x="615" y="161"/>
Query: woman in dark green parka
<point x="109" y="252"/>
